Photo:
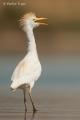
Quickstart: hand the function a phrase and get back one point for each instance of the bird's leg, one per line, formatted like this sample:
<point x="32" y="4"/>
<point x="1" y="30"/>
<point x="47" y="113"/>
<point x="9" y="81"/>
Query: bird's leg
<point x="25" y="116"/>
<point x="34" y="109"/>
<point x="33" y="116"/>
<point x="25" y="102"/>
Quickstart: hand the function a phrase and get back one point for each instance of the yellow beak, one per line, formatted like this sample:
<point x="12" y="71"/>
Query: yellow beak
<point x="39" y="20"/>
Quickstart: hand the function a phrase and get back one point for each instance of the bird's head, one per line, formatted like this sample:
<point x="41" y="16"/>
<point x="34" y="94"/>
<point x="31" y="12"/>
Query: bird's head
<point x="31" y="20"/>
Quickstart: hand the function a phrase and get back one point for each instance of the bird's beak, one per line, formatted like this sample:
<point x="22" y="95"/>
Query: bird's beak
<point x="40" y="21"/>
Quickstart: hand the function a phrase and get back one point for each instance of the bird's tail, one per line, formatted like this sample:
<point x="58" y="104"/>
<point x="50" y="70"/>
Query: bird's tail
<point x="12" y="87"/>
<point x="16" y="84"/>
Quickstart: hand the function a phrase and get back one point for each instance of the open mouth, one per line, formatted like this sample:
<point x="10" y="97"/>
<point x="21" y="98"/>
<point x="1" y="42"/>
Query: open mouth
<point x="40" y="21"/>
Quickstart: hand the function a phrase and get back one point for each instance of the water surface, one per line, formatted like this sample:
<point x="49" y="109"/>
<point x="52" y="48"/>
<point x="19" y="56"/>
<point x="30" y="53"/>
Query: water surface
<point x="56" y="94"/>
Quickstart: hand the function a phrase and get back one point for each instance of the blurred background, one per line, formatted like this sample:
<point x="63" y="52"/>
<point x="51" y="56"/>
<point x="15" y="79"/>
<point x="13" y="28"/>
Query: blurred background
<point x="58" y="43"/>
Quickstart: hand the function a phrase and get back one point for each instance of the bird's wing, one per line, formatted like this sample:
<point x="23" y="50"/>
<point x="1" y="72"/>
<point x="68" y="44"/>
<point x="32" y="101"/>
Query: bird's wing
<point x="21" y="70"/>
<point x="26" y="72"/>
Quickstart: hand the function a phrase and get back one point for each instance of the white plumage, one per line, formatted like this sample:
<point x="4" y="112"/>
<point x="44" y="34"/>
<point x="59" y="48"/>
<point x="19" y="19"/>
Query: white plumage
<point x="29" y="69"/>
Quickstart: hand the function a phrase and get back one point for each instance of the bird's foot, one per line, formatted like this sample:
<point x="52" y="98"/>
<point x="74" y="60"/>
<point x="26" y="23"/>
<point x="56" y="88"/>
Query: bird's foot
<point x="34" y="110"/>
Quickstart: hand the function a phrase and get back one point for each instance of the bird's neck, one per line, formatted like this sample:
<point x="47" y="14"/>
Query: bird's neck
<point x="31" y="40"/>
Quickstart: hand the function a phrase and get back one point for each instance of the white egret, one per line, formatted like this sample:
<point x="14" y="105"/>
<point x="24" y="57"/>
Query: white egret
<point x="28" y="70"/>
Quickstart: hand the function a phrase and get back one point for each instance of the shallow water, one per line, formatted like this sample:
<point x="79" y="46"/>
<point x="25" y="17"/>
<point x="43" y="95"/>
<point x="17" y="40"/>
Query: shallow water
<point x="58" y="107"/>
<point x="56" y="94"/>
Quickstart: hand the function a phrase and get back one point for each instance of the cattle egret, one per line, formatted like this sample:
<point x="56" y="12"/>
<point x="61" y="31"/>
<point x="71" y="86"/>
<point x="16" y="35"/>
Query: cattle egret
<point x="29" y="69"/>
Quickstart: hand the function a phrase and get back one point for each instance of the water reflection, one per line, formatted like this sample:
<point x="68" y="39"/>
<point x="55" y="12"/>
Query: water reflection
<point x="32" y="116"/>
